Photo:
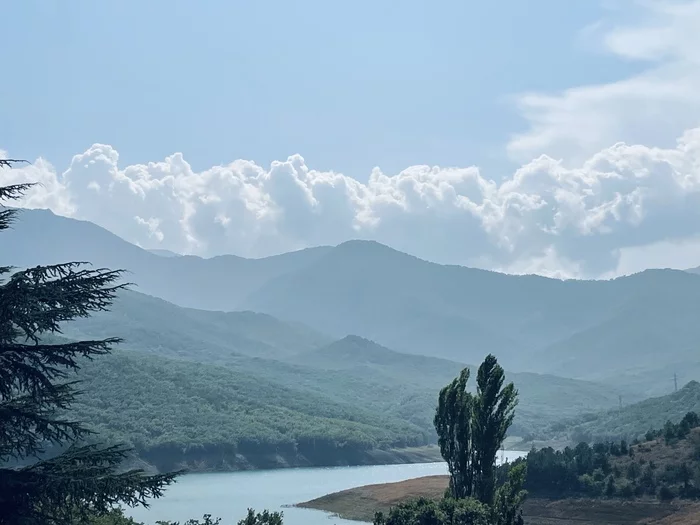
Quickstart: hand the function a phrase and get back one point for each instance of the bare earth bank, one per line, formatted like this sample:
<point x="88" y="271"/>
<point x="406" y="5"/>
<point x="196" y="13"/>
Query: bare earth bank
<point x="361" y="503"/>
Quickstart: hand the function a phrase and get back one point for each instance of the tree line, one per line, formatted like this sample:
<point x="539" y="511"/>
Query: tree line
<point x="617" y="469"/>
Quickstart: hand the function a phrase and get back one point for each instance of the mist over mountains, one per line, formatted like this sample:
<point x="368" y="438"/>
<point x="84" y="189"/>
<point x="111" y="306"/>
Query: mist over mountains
<point x="637" y="330"/>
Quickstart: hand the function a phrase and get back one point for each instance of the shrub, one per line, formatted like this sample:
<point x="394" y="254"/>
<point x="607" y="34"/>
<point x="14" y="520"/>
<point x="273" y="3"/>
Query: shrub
<point x="665" y="493"/>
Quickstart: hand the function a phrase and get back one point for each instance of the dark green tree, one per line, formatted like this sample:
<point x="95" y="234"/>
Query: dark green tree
<point x="493" y="412"/>
<point x="453" y="426"/>
<point x="36" y="394"/>
<point x="509" y="497"/>
<point x="471" y="429"/>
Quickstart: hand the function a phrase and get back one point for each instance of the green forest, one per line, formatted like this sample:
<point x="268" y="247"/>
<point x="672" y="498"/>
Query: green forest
<point x="664" y="464"/>
<point x="177" y="413"/>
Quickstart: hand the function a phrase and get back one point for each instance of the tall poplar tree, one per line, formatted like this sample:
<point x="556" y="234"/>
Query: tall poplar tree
<point x="471" y="429"/>
<point x="492" y="414"/>
<point x="36" y="392"/>
<point x="453" y="426"/>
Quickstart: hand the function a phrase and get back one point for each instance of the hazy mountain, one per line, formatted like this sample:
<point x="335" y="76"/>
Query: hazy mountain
<point x="149" y="324"/>
<point x="652" y="334"/>
<point x="620" y="331"/>
<point x="573" y="328"/>
<point x="632" y="421"/>
<point x="218" y="283"/>
<point x="545" y="395"/>
<point x="165" y="253"/>
<point x="353" y="371"/>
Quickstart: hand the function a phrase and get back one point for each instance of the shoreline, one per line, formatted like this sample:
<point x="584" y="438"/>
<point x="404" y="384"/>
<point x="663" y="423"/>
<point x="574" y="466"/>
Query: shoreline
<point x="241" y="463"/>
<point x="361" y="503"/>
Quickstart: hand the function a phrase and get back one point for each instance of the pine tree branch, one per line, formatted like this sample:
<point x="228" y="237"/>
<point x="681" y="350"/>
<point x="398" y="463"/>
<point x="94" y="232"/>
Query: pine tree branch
<point x="28" y="423"/>
<point x="33" y="368"/>
<point x="39" y="299"/>
<point x="11" y="192"/>
<point x="7" y="163"/>
<point x="79" y="482"/>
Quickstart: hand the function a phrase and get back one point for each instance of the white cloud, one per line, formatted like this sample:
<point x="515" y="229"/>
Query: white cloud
<point x="606" y="207"/>
<point x="652" y="107"/>
<point x="546" y="218"/>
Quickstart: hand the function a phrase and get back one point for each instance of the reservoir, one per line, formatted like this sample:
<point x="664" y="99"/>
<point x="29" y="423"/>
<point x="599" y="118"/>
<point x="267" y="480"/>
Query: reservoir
<point x="229" y="495"/>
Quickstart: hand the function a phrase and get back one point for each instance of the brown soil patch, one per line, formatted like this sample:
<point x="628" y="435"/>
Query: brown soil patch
<point x="362" y="503"/>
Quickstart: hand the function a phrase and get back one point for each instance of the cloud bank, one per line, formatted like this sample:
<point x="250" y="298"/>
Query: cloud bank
<point x="545" y="218"/>
<point x="582" y="207"/>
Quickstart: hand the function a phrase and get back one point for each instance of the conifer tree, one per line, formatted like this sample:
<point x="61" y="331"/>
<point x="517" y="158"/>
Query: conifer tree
<point x="36" y="392"/>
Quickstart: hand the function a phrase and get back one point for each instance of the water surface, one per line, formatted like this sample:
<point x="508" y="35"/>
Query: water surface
<point x="228" y="495"/>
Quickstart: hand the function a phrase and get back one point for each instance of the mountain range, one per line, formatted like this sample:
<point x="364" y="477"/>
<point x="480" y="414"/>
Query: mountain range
<point x="631" y="332"/>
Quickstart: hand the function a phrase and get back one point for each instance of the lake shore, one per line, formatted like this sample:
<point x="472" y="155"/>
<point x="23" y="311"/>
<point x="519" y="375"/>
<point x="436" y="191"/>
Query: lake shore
<point x="239" y="462"/>
<point x="361" y="504"/>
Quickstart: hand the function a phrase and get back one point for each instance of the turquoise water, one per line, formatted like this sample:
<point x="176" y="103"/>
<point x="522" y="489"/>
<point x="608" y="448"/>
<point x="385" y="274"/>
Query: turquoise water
<point x="228" y="495"/>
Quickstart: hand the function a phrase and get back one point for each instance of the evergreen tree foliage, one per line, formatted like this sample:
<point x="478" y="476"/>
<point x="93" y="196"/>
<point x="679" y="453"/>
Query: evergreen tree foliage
<point x="36" y="393"/>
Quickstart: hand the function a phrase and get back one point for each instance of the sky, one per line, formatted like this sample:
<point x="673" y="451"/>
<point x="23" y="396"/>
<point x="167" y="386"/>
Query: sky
<point x="551" y="137"/>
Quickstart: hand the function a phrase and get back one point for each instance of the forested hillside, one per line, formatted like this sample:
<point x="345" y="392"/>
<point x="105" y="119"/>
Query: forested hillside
<point x="203" y="416"/>
<point x="629" y="422"/>
<point x="190" y="393"/>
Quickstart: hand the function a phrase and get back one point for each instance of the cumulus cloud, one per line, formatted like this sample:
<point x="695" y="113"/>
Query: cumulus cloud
<point x="588" y="205"/>
<point x="546" y="218"/>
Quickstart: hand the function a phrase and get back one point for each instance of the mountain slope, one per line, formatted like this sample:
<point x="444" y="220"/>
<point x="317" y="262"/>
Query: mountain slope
<point x="219" y="283"/>
<point x="633" y="421"/>
<point x="177" y="412"/>
<point x="354" y="371"/>
<point x="149" y="324"/>
<point x="531" y="323"/>
<point x="542" y="397"/>
<point x="650" y="336"/>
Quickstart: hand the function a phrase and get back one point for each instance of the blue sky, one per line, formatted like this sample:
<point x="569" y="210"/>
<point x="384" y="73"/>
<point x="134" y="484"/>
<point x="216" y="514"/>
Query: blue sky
<point x="561" y="137"/>
<point x="349" y="85"/>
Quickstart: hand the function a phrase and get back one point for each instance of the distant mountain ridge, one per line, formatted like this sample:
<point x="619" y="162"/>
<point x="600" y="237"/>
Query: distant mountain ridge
<point x="218" y="283"/>
<point x="621" y="331"/>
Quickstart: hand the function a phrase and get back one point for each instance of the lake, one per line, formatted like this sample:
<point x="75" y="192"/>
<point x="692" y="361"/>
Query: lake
<point x="228" y="495"/>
